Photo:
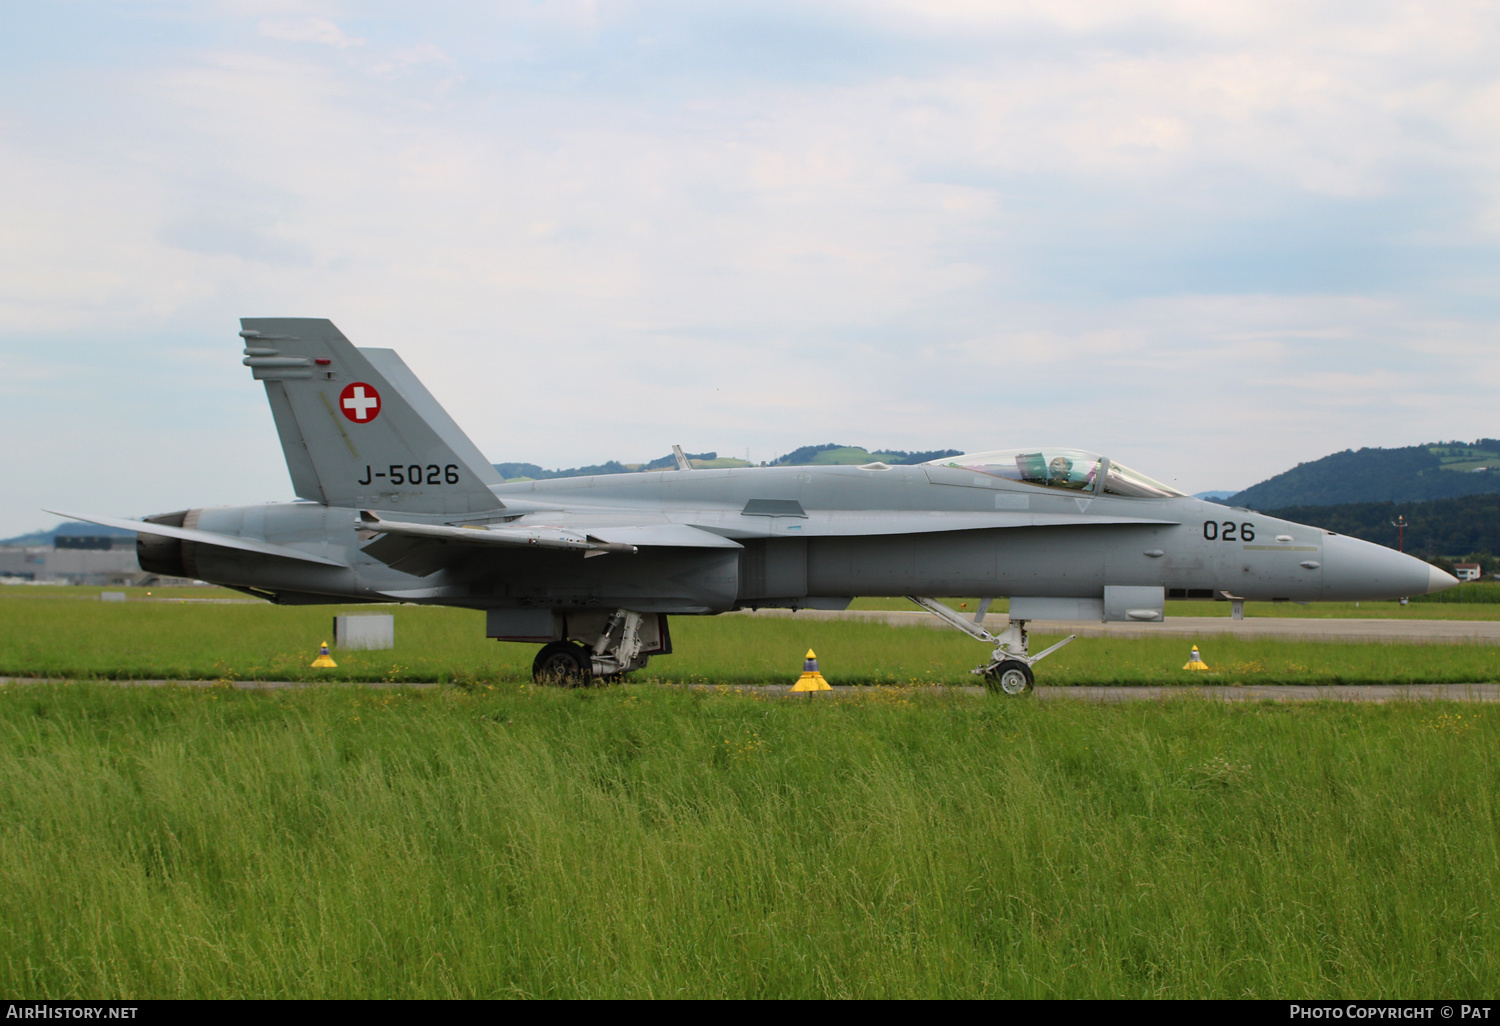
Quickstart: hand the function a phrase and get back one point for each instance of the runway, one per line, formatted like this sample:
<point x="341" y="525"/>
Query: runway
<point x="1417" y="632"/>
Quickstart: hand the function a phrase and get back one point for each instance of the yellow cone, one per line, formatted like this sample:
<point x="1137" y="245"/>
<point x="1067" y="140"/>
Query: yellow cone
<point x="324" y="659"/>
<point x="1195" y="661"/>
<point x="811" y="679"/>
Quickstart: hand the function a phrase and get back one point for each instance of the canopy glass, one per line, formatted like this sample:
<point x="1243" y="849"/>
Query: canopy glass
<point x="1071" y="469"/>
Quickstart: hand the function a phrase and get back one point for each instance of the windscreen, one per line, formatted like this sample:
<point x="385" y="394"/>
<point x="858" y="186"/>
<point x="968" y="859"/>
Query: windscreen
<point x="1122" y="480"/>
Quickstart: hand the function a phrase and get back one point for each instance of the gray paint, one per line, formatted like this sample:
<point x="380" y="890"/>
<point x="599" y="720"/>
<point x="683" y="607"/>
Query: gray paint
<point x="706" y="541"/>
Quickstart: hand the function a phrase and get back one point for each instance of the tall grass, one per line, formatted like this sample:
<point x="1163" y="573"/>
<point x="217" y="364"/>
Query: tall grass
<point x="657" y="842"/>
<point x="1469" y="593"/>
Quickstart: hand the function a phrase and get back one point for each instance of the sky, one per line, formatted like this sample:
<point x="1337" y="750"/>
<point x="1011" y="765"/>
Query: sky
<point x="1210" y="240"/>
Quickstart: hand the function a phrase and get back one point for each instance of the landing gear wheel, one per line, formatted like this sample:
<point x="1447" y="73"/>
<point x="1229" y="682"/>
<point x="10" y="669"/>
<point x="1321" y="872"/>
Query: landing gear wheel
<point x="1011" y="677"/>
<point x="563" y="664"/>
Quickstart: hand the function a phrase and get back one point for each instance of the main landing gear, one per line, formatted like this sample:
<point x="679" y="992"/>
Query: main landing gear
<point x="1009" y="669"/>
<point x="614" y="653"/>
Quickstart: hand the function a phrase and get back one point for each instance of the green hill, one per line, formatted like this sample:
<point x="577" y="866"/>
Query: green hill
<point x="809" y="455"/>
<point x="1417" y="473"/>
<point x="833" y="454"/>
<point x="533" y="472"/>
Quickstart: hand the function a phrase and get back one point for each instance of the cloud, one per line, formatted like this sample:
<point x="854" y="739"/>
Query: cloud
<point x="214" y="235"/>
<point x="308" y="30"/>
<point x="1210" y="240"/>
<point x="421" y="53"/>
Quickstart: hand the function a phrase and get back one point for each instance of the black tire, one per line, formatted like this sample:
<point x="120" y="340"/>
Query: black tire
<point x="1012" y="677"/>
<point x="563" y="664"/>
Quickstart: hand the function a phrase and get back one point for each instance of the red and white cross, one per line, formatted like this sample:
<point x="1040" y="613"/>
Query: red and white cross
<point x="360" y="402"/>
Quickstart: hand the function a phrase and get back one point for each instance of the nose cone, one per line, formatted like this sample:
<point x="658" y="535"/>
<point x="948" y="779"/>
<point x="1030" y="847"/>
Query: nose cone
<point x="1354" y="569"/>
<point x="1438" y="580"/>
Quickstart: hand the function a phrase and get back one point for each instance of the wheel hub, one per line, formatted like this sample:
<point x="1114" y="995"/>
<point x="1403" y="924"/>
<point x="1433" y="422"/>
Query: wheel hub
<point x="1013" y="682"/>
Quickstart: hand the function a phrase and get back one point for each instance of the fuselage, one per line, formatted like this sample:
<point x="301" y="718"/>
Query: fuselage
<point x="810" y="536"/>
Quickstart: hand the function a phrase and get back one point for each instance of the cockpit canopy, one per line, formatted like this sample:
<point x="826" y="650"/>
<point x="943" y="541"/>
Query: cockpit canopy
<point x="1072" y="469"/>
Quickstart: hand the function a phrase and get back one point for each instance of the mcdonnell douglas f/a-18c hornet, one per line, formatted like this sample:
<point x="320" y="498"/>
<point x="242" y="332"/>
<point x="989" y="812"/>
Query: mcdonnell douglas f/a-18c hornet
<point x="398" y="505"/>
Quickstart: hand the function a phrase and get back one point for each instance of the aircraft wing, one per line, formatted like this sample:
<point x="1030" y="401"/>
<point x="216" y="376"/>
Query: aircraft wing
<point x="423" y="549"/>
<point x="223" y="541"/>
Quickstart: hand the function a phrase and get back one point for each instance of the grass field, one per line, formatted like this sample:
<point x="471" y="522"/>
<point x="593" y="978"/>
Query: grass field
<point x="497" y="839"/>
<point x="1467" y="602"/>
<point x="58" y="636"/>
<point x="657" y="842"/>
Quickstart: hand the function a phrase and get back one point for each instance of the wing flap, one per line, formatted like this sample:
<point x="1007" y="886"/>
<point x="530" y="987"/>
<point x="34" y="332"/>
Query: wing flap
<point x="420" y="557"/>
<point x="683" y="536"/>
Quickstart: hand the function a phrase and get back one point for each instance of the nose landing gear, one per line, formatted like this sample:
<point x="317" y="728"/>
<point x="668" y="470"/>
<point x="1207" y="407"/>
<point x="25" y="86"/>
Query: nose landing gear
<point x="1009" y="670"/>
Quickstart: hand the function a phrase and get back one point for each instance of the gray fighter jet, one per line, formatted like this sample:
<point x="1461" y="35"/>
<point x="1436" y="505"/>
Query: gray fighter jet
<point x="397" y="505"/>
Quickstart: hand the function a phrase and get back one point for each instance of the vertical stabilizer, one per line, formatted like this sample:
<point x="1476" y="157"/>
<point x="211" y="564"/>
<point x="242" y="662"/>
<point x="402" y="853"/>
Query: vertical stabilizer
<point x="395" y="370"/>
<point x="358" y="429"/>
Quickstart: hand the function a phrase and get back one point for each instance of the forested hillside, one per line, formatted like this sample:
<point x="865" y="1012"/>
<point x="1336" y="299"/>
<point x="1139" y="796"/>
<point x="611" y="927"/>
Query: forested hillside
<point x="1443" y="527"/>
<point x="1415" y="473"/>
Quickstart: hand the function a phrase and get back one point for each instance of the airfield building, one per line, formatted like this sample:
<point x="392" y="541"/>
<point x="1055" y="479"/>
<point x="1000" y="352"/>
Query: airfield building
<point x="77" y="558"/>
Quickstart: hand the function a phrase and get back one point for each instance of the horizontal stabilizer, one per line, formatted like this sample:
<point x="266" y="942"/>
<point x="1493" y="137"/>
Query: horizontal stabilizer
<point x="223" y="541"/>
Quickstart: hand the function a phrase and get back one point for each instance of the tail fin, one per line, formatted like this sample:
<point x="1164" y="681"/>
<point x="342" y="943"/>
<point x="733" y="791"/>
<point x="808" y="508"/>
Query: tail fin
<point x="357" y="427"/>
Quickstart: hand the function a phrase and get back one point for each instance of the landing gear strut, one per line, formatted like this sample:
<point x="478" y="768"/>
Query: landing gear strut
<point x="617" y="650"/>
<point x="1009" y="669"/>
<point x="614" y="653"/>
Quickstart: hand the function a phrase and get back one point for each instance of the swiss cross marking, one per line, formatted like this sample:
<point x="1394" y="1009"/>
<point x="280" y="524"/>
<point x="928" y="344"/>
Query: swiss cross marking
<point x="360" y="402"/>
